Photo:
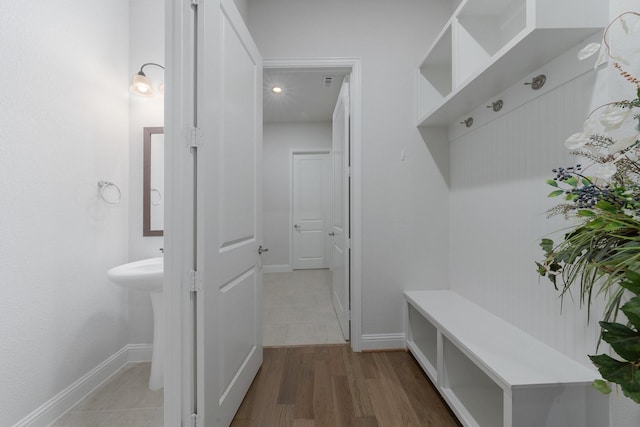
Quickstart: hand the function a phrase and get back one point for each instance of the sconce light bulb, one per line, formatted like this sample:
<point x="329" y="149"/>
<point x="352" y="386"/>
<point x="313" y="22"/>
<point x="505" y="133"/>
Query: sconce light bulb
<point x="277" y="90"/>
<point x="141" y="85"/>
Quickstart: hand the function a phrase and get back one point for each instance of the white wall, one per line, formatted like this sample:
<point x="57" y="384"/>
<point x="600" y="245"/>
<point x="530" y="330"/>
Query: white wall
<point x="63" y="127"/>
<point x="405" y="213"/>
<point x="146" y="28"/>
<point x="279" y="140"/>
<point x="498" y="215"/>
<point x="242" y="6"/>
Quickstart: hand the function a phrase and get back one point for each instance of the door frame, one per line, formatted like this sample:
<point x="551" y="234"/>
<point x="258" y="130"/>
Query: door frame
<point x="292" y="153"/>
<point x="355" y="92"/>
<point x="179" y="239"/>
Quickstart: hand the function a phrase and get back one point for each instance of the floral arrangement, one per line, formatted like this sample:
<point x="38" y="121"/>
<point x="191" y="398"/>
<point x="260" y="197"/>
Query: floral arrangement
<point x="600" y="254"/>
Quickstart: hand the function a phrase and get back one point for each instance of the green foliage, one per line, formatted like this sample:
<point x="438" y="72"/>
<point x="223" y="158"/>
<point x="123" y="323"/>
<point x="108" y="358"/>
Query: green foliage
<point x="602" y="386"/>
<point x="626" y="374"/>
<point x="600" y="256"/>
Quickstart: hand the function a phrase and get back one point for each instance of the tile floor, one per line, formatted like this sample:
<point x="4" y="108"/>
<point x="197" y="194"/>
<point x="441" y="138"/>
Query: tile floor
<point x="297" y="310"/>
<point x="124" y="401"/>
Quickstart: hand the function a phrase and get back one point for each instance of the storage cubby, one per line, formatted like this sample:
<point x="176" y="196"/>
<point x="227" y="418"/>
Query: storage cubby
<point x="489" y="45"/>
<point x="480" y="398"/>
<point x="424" y="336"/>
<point x="437" y="72"/>
<point x="482" y="30"/>
<point x="493" y="374"/>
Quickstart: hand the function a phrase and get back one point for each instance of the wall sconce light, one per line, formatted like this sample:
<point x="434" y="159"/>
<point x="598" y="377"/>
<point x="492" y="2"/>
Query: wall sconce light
<point x="141" y="85"/>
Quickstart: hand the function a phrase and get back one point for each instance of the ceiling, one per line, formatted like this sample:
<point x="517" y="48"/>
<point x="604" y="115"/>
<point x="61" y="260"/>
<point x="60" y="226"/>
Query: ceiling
<point x="305" y="98"/>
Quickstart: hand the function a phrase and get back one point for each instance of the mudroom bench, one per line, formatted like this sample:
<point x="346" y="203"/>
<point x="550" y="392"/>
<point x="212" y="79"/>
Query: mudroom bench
<point x="493" y="374"/>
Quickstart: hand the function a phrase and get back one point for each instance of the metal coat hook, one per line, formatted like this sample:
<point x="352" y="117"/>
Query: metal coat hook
<point x="468" y="122"/>
<point x="497" y="105"/>
<point x="537" y="82"/>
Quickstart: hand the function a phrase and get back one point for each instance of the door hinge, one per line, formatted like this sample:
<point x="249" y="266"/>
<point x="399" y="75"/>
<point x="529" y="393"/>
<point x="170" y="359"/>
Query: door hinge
<point x="194" y="137"/>
<point x="193" y="281"/>
<point x="347" y="243"/>
<point x="348" y="171"/>
<point x="195" y="420"/>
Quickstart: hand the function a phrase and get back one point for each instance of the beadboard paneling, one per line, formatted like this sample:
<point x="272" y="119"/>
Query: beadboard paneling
<point x="498" y="215"/>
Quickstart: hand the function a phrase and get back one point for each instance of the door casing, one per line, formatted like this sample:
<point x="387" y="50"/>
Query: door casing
<point x="355" y="66"/>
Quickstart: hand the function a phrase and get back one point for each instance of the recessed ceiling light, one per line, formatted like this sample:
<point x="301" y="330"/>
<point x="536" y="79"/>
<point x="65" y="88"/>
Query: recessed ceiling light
<point x="277" y="90"/>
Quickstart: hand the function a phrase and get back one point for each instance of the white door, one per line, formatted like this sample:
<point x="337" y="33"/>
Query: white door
<point x="229" y="212"/>
<point x="340" y="230"/>
<point x="310" y="203"/>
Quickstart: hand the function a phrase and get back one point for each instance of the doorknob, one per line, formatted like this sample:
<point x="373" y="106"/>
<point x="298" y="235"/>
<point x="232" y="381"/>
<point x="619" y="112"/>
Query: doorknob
<point x="296" y="227"/>
<point x="261" y="249"/>
<point x="332" y="234"/>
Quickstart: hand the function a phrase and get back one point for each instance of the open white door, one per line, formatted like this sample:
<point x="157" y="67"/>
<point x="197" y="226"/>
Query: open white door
<point x="310" y="200"/>
<point x="340" y="232"/>
<point x="229" y="212"/>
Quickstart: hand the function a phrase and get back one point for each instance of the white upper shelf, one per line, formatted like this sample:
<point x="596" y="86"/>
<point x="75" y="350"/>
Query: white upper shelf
<point x="489" y="45"/>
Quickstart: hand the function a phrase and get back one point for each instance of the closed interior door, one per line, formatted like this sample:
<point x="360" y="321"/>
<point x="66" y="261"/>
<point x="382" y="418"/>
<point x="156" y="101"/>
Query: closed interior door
<point x="310" y="201"/>
<point x="340" y="261"/>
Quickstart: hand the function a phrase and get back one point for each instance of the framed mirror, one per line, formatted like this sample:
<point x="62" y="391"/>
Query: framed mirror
<point x="153" y="182"/>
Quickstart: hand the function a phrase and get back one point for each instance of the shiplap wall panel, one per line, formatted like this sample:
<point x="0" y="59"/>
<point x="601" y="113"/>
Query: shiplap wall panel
<point x="498" y="215"/>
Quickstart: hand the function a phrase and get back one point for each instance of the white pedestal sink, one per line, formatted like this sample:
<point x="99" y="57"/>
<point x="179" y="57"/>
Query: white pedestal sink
<point x="146" y="275"/>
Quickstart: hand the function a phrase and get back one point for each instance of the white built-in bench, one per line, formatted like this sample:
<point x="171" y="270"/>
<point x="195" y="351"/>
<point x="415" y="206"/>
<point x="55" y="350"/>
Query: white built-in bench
<point x="493" y="374"/>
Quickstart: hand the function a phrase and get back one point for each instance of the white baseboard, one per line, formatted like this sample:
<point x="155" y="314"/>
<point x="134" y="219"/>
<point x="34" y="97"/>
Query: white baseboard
<point x="139" y="353"/>
<point x="284" y="268"/>
<point x="60" y="404"/>
<point x="383" y="342"/>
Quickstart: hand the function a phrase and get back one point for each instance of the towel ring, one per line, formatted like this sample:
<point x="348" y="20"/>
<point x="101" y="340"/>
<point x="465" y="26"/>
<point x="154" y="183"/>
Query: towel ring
<point x="102" y="186"/>
<point x="158" y="198"/>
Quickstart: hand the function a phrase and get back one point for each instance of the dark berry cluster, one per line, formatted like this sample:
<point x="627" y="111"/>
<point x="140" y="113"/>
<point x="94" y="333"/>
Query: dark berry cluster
<point x="562" y="174"/>
<point x="588" y="195"/>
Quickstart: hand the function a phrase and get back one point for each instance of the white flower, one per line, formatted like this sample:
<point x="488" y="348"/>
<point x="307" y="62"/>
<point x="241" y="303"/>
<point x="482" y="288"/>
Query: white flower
<point x="588" y="50"/>
<point x="605" y="171"/>
<point x="625" y="27"/>
<point x="577" y="140"/>
<point x="613" y="117"/>
<point x="624" y="143"/>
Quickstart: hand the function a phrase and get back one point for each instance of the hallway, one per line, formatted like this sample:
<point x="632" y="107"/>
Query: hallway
<point x="297" y="309"/>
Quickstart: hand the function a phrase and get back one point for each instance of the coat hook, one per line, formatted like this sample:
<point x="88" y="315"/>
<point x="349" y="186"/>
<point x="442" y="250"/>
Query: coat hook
<point x="537" y="82"/>
<point x="467" y="122"/>
<point x="497" y="105"/>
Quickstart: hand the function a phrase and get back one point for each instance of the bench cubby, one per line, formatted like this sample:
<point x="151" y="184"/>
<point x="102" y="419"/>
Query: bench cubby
<point x="493" y="374"/>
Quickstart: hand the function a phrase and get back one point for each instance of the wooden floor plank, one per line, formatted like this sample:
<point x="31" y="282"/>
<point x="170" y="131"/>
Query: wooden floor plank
<point x="330" y="386"/>
<point x="323" y="409"/>
<point x="342" y="401"/>
<point x="304" y="390"/>
<point x="424" y="399"/>
<point x="357" y="382"/>
<point x="289" y="384"/>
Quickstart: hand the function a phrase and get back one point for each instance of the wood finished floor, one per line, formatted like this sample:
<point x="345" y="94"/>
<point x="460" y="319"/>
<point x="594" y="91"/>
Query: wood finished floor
<point x="330" y="386"/>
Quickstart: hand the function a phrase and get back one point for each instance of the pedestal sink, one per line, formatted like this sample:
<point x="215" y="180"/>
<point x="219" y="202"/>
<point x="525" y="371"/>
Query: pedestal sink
<point x="146" y="276"/>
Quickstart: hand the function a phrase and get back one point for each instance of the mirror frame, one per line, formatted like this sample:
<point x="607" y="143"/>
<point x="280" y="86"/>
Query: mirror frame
<point x="146" y="182"/>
